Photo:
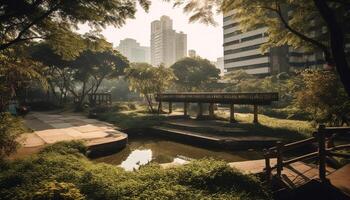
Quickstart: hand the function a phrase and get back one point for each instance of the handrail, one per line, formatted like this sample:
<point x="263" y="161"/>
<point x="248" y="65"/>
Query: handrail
<point x="296" y="144"/>
<point x="323" y="136"/>
<point x="339" y="147"/>
<point x="300" y="158"/>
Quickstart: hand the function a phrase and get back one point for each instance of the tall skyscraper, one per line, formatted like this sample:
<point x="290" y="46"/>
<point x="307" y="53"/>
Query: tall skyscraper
<point x="131" y="49"/>
<point x="167" y="46"/>
<point x="242" y="51"/>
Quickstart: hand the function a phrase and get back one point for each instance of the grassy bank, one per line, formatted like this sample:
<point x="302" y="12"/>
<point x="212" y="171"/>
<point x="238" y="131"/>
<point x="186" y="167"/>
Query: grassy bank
<point x="61" y="171"/>
<point x="126" y="116"/>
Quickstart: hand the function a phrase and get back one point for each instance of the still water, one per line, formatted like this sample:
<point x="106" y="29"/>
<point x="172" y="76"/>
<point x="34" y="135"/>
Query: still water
<point x="144" y="149"/>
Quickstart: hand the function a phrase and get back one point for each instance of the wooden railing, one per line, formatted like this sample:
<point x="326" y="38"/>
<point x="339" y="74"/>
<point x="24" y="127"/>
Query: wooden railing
<point x="323" y="139"/>
<point x="100" y="99"/>
<point x="219" y="97"/>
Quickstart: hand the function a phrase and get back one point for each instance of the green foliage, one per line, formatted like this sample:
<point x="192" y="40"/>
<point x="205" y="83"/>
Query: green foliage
<point x="64" y="147"/>
<point x="149" y="80"/>
<point x="195" y="74"/>
<point x="10" y="129"/>
<point x="17" y="71"/>
<point x="325" y="102"/>
<point x="56" y="21"/>
<point x="58" y="191"/>
<point x="135" y="119"/>
<point x="83" y="74"/>
<point x="69" y="175"/>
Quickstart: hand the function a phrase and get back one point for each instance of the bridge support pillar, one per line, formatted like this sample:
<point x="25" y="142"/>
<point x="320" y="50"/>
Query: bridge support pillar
<point x="211" y="110"/>
<point x="170" y="107"/>
<point x="185" y="109"/>
<point x="200" y="111"/>
<point x="232" y="113"/>
<point x="255" y="114"/>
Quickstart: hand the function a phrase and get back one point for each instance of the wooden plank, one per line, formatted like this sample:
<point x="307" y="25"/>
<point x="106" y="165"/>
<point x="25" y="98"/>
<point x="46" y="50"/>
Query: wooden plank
<point x="299" y="173"/>
<point x="251" y="166"/>
<point x="340" y="179"/>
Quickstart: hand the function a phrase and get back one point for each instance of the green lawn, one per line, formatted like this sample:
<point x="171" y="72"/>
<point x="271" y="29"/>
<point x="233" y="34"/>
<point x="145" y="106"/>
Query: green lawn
<point x="138" y="117"/>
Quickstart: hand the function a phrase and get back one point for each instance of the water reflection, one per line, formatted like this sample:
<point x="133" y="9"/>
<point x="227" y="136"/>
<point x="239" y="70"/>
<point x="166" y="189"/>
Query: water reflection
<point x="144" y="149"/>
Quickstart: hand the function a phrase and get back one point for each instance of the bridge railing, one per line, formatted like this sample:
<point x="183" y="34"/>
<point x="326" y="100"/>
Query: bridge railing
<point x="323" y="139"/>
<point x="100" y="99"/>
<point x="218" y="97"/>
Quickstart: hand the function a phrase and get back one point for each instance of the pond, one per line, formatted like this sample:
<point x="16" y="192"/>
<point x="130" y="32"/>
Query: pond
<point x="143" y="149"/>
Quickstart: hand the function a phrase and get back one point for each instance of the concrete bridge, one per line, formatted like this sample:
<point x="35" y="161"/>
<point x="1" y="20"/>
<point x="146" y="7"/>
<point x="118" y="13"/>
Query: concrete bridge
<point x="230" y="98"/>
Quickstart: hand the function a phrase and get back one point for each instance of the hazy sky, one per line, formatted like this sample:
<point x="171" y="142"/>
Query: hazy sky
<point x="206" y="40"/>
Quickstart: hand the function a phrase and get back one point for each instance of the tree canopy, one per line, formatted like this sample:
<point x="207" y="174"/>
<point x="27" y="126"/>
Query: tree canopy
<point x="82" y="75"/>
<point x="55" y="21"/>
<point x="195" y="74"/>
<point x="149" y="80"/>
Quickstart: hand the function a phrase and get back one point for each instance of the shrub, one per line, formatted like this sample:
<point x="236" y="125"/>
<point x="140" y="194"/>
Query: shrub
<point x="58" y="191"/>
<point x="10" y="129"/>
<point x="66" y="147"/>
<point x="62" y="175"/>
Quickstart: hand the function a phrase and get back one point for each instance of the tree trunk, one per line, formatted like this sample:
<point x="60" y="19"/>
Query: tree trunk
<point x="149" y="101"/>
<point x="337" y="43"/>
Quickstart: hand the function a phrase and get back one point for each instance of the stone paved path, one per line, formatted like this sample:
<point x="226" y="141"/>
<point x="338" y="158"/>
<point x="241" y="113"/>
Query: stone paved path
<point x="50" y="128"/>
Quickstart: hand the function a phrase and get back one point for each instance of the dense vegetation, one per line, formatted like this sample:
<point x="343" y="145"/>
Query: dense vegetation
<point x="61" y="171"/>
<point x="10" y="129"/>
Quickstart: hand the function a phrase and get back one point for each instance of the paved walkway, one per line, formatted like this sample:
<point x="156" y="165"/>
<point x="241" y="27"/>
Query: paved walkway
<point x="49" y="128"/>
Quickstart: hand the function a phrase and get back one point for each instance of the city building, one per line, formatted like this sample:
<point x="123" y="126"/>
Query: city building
<point x="242" y="51"/>
<point x="167" y="46"/>
<point x="219" y="63"/>
<point x="131" y="49"/>
<point x="192" y="53"/>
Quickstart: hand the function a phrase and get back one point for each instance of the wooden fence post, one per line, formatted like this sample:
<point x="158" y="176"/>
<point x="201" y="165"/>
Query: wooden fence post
<point x="321" y="134"/>
<point x="267" y="165"/>
<point x="279" y="146"/>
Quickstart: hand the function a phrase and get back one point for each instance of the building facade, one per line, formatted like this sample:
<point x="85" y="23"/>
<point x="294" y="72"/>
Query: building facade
<point x="242" y="51"/>
<point x="167" y="46"/>
<point x="131" y="49"/>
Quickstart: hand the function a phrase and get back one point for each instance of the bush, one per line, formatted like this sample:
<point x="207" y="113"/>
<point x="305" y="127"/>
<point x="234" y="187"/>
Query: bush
<point x="10" y="129"/>
<point x="61" y="175"/>
<point x="58" y="191"/>
<point x="66" y="147"/>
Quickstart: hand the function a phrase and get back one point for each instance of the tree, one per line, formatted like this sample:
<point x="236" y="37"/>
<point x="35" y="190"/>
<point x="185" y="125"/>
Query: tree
<point x="326" y="102"/>
<point x="194" y="74"/>
<point x="149" y="80"/>
<point x="58" y="73"/>
<point x="17" y="71"/>
<point x="293" y="28"/>
<point x="84" y="74"/>
<point x="23" y="21"/>
<point x="91" y="68"/>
